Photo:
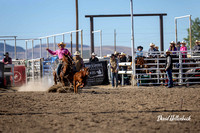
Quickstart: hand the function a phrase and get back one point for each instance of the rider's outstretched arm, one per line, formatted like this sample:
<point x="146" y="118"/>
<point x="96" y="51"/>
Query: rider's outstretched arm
<point x="52" y="52"/>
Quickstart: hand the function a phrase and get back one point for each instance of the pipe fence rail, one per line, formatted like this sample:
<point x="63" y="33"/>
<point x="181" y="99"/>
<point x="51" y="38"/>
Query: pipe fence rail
<point x="186" y="71"/>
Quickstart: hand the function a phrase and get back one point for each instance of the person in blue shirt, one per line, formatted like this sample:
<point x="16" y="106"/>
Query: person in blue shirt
<point x="139" y="52"/>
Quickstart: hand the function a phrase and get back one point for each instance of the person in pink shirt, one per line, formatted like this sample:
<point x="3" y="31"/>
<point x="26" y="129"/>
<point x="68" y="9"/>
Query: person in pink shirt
<point x="184" y="50"/>
<point x="60" y="52"/>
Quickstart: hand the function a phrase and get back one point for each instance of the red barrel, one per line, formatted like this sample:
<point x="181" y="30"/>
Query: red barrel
<point x="19" y="75"/>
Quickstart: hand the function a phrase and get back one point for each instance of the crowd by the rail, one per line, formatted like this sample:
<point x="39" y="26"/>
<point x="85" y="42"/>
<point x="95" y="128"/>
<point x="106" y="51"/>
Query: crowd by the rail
<point x="116" y="58"/>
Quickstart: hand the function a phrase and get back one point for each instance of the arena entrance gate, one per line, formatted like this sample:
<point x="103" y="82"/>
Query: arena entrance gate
<point x="125" y="15"/>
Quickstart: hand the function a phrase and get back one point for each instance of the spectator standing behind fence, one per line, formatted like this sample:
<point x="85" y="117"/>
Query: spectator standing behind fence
<point x="157" y="51"/>
<point x="151" y="51"/>
<point x="168" y="68"/>
<point x="117" y="55"/>
<point x="178" y="46"/>
<point x="7" y="60"/>
<point x="93" y="58"/>
<point x="196" y="48"/>
<point x="114" y="66"/>
<point x="79" y="64"/>
<point x="183" y="50"/>
<point x="173" y="48"/>
<point x="139" y="52"/>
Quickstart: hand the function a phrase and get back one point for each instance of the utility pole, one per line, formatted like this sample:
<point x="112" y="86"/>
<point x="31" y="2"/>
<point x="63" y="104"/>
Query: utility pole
<point x="77" y="28"/>
<point x="115" y="40"/>
<point x="132" y="43"/>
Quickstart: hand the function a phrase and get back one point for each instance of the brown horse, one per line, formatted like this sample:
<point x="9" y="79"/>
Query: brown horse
<point x="80" y="79"/>
<point x="66" y="73"/>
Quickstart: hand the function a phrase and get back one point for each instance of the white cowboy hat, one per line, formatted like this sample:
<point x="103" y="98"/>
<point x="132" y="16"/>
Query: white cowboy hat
<point x="197" y="41"/>
<point x="151" y="44"/>
<point x="116" y="53"/>
<point x="183" y="42"/>
<point x="122" y="53"/>
<point x="167" y="51"/>
<point x="93" y="54"/>
<point x="172" y="42"/>
<point x="77" y="53"/>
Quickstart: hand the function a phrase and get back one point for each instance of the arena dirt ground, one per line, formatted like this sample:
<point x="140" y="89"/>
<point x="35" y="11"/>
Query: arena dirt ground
<point x="101" y="109"/>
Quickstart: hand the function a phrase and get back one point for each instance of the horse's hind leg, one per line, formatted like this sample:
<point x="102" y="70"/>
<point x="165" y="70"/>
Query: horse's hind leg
<point x="55" y="78"/>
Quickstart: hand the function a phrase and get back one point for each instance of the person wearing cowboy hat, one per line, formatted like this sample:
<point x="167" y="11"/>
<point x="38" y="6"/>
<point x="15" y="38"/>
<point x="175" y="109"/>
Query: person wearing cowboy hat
<point x="114" y="66"/>
<point x="93" y="58"/>
<point x="60" y="53"/>
<point x="139" y="52"/>
<point x="79" y="64"/>
<point x="151" y="51"/>
<point x="173" y="48"/>
<point x="168" y="68"/>
<point x="7" y="60"/>
<point x="196" y="48"/>
<point x="184" y="50"/>
<point x="178" y="46"/>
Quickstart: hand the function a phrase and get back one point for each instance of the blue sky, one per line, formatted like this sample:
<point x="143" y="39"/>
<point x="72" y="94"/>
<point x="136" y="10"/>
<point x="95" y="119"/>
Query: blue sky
<point x="36" y="18"/>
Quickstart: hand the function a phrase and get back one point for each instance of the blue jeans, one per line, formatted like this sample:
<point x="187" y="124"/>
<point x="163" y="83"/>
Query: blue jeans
<point x="58" y="69"/>
<point x="169" y="75"/>
<point x="114" y="76"/>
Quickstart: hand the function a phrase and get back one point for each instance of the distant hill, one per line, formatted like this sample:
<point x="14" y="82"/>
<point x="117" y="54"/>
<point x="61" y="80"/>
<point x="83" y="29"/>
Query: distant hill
<point x="86" y="50"/>
<point x="10" y="49"/>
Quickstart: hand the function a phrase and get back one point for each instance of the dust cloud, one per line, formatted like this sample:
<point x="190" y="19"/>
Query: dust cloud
<point x="42" y="84"/>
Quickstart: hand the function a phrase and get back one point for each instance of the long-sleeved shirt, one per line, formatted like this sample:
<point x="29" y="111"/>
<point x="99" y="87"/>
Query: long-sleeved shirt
<point x="95" y="59"/>
<point x="60" y="52"/>
<point x="79" y="64"/>
<point x="139" y="54"/>
<point x="183" y="49"/>
<point x="114" y="65"/>
<point x="196" y="49"/>
<point x="7" y="60"/>
<point x="151" y="52"/>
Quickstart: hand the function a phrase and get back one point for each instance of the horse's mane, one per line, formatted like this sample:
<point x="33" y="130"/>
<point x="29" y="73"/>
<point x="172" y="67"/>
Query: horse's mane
<point x="67" y="59"/>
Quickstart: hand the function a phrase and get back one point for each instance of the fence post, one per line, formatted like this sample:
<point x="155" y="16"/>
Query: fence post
<point x="47" y="47"/>
<point x="4" y="46"/>
<point x="54" y="38"/>
<point x="158" y="70"/>
<point x="26" y="50"/>
<point x="180" y="68"/>
<point x="63" y="38"/>
<point x="40" y="48"/>
<point x="81" y="43"/>
<point x="122" y="79"/>
<point x="15" y="48"/>
<point x="71" y="43"/>
<point x="32" y="60"/>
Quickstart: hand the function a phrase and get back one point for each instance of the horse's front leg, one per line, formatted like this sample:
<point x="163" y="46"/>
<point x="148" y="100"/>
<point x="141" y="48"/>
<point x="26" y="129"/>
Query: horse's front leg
<point x="55" y="78"/>
<point x="62" y="78"/>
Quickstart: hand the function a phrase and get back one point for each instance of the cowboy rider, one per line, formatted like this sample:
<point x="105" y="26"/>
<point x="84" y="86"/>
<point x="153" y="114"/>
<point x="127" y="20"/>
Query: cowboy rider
<point x="60" y="52"/>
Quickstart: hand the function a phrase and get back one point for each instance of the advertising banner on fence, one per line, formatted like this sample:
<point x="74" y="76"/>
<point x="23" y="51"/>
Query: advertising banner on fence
<point x="19" y="75"/>
<point x="98" y="73"/>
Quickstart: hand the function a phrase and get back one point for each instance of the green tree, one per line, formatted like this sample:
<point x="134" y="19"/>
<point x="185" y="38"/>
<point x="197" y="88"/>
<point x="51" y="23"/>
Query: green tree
<point x="195" y="32"/>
